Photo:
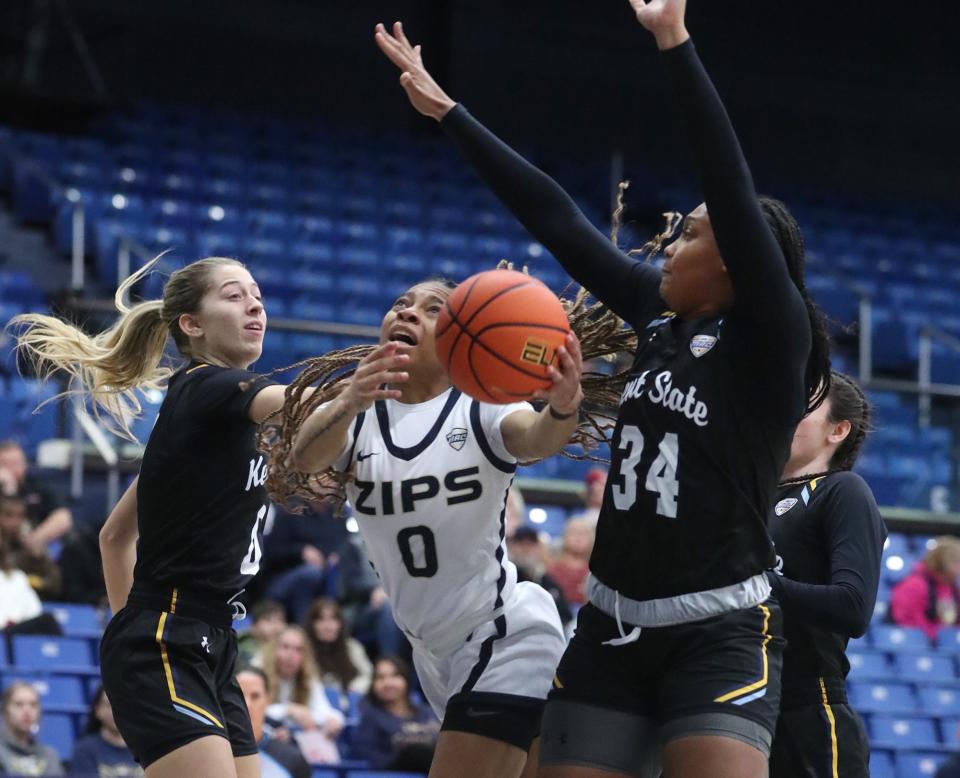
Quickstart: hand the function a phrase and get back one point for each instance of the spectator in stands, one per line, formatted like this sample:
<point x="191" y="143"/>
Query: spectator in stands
<point x="277" y="759"/>
<point x="20" y="609"/>
<point x="341" y="660"/>
<point x="594" y="483"/>
<point x="269" y="619"/>
<point x="295" y="566"/>
<point x="570" y="569"/>
<point x="102" y="750"/>
<point x="529" y="553"/>
<point x="394" y="733"/>
<point x="50" y="519"/>
<point x="364" y="601"/>
<point x="928" y="597"/>
<point x="300" y="701"/>
<point x="41" y="570"/>
<point x="20" y="752"/>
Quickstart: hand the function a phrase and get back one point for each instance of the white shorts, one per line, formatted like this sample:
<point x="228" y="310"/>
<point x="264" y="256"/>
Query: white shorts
<point x="515" y="655"/>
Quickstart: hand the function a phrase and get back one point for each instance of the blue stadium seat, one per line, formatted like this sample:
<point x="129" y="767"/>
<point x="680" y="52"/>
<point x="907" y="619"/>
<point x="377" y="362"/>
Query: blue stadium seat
<point x="889" y="637"/>
<point x="869" y="665"/>
<point x="882" y="697"/>
<point x="941" y="701"/>
<point x="57" y="731"/>
<point x="902" y="732"/>
<point x="912" y="764"/>
<point x="924" y="667"/>
<point x="58" y="693"/>
<point x="78" y="621"/>
<point x="881" y="765"/>
<point x="948" y="640"/>
<point x="52" y="654"/>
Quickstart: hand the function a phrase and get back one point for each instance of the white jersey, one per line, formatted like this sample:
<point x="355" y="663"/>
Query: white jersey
<point x="429" y="493"/>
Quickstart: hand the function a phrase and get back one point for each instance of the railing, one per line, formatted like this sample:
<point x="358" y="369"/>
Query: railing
<point x="130" y="250"/>
<point x="84" y="425"/>
<point x="77" y="221"/>
<point x="928" y="335"/>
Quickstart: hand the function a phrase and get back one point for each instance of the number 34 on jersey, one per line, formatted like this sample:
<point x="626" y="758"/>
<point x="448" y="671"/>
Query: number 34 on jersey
<point x="661" y="478"/>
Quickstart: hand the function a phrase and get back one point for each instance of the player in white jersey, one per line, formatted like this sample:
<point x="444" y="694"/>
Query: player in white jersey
<point x="430" y="473"/>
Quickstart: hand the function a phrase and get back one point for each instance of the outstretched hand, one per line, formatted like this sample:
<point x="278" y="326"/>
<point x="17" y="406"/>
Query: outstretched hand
<point x="565" y="394"/>
<point x="377" y="376"/>
<point x="424" y="93"/>
<point x="664" y="18"/>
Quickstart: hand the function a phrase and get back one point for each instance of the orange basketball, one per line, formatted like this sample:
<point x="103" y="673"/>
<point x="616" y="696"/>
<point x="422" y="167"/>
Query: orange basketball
<point x="498" y="333"/>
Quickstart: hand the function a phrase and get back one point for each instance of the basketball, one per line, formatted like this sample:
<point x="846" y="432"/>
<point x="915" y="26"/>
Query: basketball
<point x="497" y="334"/>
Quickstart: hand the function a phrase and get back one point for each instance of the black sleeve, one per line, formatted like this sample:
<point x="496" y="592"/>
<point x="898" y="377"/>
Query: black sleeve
<point x="223" y="392"/>
<point x="766" y="301"/>
<point x="628" y="287"/>
<point x="855" y="534"/>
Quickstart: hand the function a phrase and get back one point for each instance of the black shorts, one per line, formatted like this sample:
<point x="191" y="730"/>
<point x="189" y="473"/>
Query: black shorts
<point x="820" y="741"/>
<point x="171" y="679"/>
<point x="505" y="717"/>
<point x="701" y="673"/>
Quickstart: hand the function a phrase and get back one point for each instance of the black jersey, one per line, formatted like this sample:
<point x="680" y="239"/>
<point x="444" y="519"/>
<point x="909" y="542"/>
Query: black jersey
<point x="829" y="539"/>
<point x="707" y="418"/>
<point x="201" y="500"/>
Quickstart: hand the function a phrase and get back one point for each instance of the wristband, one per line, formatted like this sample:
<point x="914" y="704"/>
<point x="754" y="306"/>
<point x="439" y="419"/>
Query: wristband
<point x="562" y="416"/>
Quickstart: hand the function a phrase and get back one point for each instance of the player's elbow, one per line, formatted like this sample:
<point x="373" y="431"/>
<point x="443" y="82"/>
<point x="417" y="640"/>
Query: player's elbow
<point x="858" y="626"/>
<point x="857" y="613"/>
<point x="109" y="537"/>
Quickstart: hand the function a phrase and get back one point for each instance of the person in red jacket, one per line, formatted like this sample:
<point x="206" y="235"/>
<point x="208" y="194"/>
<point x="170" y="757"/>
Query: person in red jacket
<point x="928" y="597"/>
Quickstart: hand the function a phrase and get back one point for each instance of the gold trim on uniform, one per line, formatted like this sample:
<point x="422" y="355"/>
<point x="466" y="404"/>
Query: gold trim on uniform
<point x="756" y="685"/>
<point x="833" y="729"/>
<point x="168" y="671"/>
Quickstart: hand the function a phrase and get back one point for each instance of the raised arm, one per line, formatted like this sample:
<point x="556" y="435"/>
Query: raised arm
<point x="323" y="435"/>
<point x="763" y="289"/>
<point x="626" y="286"/>
<point x="529" y="435"/>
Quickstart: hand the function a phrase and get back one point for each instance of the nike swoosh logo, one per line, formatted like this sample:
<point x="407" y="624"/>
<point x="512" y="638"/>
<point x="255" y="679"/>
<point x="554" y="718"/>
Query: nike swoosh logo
<point x="361" y="456"/>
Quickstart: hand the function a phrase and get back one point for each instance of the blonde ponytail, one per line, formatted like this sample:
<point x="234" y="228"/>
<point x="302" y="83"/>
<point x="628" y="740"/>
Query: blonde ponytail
<point x="111" y="367"/>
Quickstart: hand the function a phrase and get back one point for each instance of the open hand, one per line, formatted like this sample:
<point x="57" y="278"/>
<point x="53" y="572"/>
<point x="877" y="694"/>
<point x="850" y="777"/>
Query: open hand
<point x="382" y="366"/>
<point x="424" y="93"/>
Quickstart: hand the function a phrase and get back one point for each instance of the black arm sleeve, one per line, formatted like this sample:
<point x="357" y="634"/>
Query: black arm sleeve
<point x="764" y="293"/>
<point x="855" y="534"/>
<point x="628" y="287"/>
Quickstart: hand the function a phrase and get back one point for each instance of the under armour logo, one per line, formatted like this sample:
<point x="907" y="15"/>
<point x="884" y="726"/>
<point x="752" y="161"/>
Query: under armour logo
<point x="205" y="644"/>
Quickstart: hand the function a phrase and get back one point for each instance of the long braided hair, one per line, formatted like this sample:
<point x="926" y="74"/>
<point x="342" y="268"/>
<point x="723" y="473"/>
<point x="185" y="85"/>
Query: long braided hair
<point x="787" y="232"/>
<point x="601" y="333"/>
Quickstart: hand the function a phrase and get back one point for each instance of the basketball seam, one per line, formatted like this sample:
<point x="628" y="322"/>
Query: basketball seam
<point x="463" y="325"/>
<point x="455" y="319"/>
